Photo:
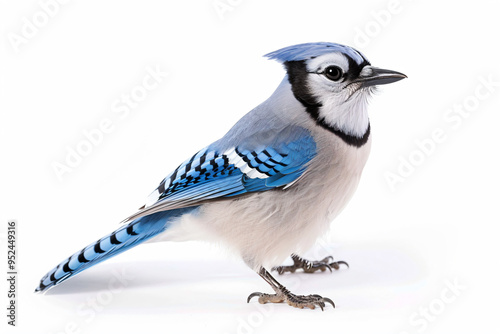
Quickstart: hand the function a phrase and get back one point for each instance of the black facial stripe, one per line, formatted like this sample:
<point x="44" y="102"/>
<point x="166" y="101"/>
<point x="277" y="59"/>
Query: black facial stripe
<point x="297" y="76"/>
<point x="355" y="68"/>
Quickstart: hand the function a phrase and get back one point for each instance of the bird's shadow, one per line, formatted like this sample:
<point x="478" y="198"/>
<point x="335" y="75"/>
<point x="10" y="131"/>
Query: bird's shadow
<point x="135" y="274"/>
<point x="367" y="266"/>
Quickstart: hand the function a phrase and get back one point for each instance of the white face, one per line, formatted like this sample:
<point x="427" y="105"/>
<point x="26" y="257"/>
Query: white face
<point x="343" y="101"/>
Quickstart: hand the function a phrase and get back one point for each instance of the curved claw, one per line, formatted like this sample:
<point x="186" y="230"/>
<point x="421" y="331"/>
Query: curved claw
<point x="329" y="267"/>
<point x="255" y="294"/>
<point x="343" y="262"/>
<point x="323" y="300"/>
<point x="328" y="300"/>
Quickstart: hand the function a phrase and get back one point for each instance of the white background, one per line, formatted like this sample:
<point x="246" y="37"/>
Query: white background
<point x="406" y="245"/>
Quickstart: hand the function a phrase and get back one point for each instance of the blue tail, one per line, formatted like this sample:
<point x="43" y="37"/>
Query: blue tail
<point x="124" y="238"/>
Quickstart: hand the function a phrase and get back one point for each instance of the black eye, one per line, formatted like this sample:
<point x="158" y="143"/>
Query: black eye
<point x="333" y="73"/>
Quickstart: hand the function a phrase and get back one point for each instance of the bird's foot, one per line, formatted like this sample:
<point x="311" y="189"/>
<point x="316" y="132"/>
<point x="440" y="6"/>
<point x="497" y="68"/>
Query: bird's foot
<point x="310" y="266"/>
<point x="299" y="301"/>
<point x="283" y="295"/>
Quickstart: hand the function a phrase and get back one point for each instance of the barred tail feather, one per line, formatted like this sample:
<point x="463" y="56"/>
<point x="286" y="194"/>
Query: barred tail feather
<point x="124" y="238"/>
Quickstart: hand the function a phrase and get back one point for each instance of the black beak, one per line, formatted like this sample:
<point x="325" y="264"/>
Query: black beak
<point x="380" y="76"/>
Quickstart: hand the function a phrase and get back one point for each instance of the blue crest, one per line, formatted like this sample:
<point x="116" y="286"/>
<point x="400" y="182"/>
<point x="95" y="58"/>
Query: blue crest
<point x="311" y="50"/>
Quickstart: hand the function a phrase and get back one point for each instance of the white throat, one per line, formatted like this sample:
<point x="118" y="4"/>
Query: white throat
<point x="349" y="117"/>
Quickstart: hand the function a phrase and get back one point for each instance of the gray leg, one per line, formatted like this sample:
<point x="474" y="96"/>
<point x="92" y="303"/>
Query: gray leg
<point x="283" y="295"/>
<point x="310" y="266"/>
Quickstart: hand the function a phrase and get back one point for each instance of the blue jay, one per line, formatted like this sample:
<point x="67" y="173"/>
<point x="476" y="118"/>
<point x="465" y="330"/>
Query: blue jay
<point x="271" y="186"/>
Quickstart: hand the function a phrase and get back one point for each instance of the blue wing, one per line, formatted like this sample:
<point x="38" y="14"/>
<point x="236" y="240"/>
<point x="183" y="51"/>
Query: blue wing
<point x="222" y="173"/>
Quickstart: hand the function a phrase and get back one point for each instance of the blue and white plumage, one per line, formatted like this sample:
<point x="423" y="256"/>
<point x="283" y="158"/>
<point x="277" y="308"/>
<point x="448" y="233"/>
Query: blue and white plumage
<point x="273" y="183"/>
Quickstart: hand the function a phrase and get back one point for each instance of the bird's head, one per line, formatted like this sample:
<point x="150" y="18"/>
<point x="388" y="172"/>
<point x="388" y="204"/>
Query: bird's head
<point x="333" y="83"/>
